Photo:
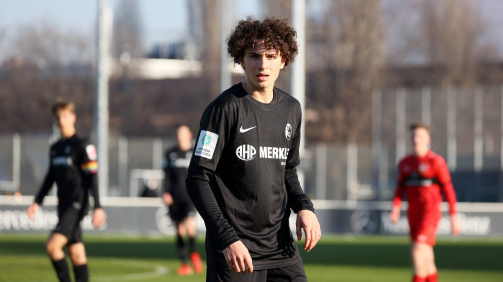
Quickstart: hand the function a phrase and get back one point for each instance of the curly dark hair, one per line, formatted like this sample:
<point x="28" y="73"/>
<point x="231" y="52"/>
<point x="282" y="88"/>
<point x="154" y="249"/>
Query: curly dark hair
<point x="276" y="33"/>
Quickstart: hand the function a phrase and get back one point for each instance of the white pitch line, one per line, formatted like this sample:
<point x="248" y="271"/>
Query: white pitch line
<point x="159" y="270"/>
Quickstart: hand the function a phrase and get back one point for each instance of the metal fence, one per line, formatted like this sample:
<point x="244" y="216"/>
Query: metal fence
<point x="331" y="172"/>
<point x="466" y="129"/>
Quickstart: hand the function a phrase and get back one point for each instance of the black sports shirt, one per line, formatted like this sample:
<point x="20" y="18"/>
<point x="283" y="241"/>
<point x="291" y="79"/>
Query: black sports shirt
<point x="73" y="166"/>
<point x="242" y="176"/>
<point x="175" y="165"/>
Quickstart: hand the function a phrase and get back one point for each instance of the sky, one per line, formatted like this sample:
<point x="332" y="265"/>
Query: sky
<point x="162" y="19"/>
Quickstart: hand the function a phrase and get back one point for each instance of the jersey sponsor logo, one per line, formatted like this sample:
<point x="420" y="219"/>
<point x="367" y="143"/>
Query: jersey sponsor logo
<point x="246" y="152"/>
<point x="62" y="161"/>
<point x="206" y="144"/>
<point x="273" y="153"/>
<point x="68" y="149"/>
<point x="91" y="152"/>
<point x="184" y="163"/>
<point x="288" y="131"/>
<point x="243" y="130"/>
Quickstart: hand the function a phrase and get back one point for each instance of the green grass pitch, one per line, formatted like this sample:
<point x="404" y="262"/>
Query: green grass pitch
<point x="340" y="258"/>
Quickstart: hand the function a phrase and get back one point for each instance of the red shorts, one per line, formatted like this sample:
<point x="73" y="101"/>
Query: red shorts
<point x="423" y="232"/>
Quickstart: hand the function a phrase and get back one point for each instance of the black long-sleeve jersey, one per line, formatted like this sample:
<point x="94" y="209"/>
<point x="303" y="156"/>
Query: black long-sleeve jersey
<point x="73" y="166"/>
<point x="175" y="166"/>
<point x="242" y="177"/>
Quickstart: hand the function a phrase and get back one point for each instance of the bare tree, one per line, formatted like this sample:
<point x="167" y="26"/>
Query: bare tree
<point x="46" y="46"/>
<point x="349" y="44"/>
<point x="210" y="55"/>
<point x="278" y="8"/>
<point x="128" y="29"/>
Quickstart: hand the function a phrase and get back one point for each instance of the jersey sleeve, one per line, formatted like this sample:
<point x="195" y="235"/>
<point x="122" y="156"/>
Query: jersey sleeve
<point x="444" y="180"/>
<point x="165" y="168"/>
<point x="214" y="131"/>
<point x="89" y="165"/>
<point x="397" y="199"/>
<point x="46" y="185"/>
<point x="297" y="199"/>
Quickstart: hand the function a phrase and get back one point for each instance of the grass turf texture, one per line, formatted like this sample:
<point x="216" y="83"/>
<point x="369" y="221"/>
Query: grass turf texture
<point x="23" y="258"/>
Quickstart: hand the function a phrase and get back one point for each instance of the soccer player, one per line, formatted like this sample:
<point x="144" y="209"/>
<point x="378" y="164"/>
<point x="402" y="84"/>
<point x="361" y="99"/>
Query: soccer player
<point x="73" y="166"/>
<point x="424" y="175"/>
<point x="181" y="209"/>
<point x="242" y="176"/>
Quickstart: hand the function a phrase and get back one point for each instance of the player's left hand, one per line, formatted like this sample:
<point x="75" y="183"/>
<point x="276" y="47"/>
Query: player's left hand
<point x="308" y="221"/>
<point x="455" y="225"/>
<point x="98" y="217"/>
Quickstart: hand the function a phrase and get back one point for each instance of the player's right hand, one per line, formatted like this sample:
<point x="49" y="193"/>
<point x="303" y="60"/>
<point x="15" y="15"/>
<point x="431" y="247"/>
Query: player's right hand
<point x="238" y="258"/>
<point x="455" y="225"/>
<point x="32" y="210"/>
<point x="98" y="217"/>
<point x="394" y="215"/>
<point x="168" y="199"/>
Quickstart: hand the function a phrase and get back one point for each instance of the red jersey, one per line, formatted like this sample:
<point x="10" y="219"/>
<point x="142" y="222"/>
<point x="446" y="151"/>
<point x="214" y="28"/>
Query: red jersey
<point x="424" y="178"/>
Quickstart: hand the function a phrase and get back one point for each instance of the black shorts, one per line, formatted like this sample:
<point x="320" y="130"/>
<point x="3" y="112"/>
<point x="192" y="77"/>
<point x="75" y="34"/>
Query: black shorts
<point x="294" y="273"/>
<point x="69" y="225"/>
<point x="181" y="210"/>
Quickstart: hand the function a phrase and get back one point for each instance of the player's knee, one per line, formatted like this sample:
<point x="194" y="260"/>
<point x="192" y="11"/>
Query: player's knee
<point x="52" y="248"/>
<point x="78" y="256"/>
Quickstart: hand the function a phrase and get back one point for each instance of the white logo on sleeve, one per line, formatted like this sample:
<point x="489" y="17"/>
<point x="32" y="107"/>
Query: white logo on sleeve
<point x="206" y="144"/>
<point x="91" y="152"/>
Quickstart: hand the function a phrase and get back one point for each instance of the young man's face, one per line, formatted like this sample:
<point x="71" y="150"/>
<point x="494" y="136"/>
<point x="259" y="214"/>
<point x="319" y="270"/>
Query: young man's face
<point x="420" y="140"/>
<point x="65" y="119"/>
<point x="183" y="134"/>
<point x="261" y="67"/>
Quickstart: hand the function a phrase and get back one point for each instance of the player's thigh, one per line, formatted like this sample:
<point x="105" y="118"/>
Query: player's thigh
<point x="69" y="225"/>
<point x="294" y="273"/>
<point x="424" y="233"/>
<point x="77" y="253"/>
<point x="231" y="276"/>
<point x="56" y="241"/>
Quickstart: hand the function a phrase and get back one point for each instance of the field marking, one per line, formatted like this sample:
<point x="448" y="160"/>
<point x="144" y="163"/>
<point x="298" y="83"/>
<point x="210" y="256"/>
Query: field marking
<point x="158" y="270"/>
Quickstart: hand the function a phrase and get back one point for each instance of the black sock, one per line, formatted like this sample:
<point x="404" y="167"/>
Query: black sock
<point x="62" y="271"/>
<point x="81" y="273"/>
<point x="181" y="248"/>
<point x="192" y="244"/>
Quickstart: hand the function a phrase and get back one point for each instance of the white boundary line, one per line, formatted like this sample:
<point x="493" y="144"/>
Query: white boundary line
<point x="318" y="204"/>
<point x="158" y="271"/>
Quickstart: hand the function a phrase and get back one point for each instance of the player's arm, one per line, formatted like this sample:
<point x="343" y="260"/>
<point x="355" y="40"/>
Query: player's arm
<point x="199" y="190"/>
<point x="44" y="190"/>
<point x="444" y="180"/>
<point x="89" y="165"/>
<point x="397" y="199"/>
<point x="298" y="201"/>
<point x="217" y="125"/>
<point x="166" y="196"/>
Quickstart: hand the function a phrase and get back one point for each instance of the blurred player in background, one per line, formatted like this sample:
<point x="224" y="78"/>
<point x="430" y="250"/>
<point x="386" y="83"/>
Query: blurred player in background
<point x="242" y="176"/>
<point x="181" y="210"/>
<point x="424" y="176"/>
<point x="73" y="166"/>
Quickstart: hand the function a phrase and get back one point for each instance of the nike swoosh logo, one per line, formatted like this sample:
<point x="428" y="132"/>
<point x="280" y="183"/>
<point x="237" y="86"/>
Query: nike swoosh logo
<point x="245" y="130"/>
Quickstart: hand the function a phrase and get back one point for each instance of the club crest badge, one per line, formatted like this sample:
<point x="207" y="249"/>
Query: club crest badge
<point x="423" y="167"/>
<point x="288" y="131"/>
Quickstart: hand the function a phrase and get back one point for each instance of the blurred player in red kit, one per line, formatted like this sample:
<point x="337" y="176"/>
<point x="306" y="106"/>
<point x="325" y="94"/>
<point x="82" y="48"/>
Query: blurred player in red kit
<point x="424" y="176"/>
